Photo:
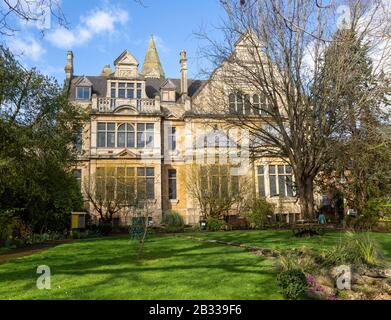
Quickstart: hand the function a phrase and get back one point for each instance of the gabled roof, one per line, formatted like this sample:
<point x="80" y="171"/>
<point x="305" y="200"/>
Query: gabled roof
<point x="168" y="85"/>
<point x="126" y="58"/>
<point x="152" y="68"/>
<point x="83" y="82"/>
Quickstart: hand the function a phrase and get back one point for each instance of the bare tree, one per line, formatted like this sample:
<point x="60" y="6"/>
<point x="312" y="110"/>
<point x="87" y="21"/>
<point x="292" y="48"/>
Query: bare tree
<point x="12" y="12"/>
<point x="143" y="210"/>
<point x="106" y="193"/>
<point x="276" y="49"/>
<point x="112" y="192"/>
<point x="216" y="191"/>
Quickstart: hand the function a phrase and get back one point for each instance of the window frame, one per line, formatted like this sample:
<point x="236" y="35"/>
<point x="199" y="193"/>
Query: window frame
<point x="84" y="88"/>
<point x="285" y="175"/>
<point x="172" y="184"/>
<point x="131" y="90"/>
<point x="172" y="143"/>
<point x="77" y="174"/>
<point x="261" y="173"/>
<point x="147" y="135"/>
<point x="127" y="132"/>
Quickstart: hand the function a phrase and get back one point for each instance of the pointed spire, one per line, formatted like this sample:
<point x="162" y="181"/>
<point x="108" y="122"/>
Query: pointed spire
<point x="152" y="67"/>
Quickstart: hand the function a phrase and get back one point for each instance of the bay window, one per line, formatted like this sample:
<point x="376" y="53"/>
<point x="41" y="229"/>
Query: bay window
<point x="124" y="135"/>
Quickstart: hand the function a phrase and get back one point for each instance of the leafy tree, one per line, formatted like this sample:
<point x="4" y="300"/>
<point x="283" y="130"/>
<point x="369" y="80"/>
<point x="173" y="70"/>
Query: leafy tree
<point x="362" y="153"/>
<point x="38" y="129"/>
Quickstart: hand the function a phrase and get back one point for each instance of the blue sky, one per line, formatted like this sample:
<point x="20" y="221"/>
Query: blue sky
<point x="99" y="30"/>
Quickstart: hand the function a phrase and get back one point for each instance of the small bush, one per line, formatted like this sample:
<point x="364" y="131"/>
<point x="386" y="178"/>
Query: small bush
<point x="257" y="216"/>
<point x="308" y="231"/>
<point x="214" y="224"/>
<point x="293" y="284"/>
<point x="358" y="249"/>
<point x="105" y="228"/>
<point x="173" y="221"/>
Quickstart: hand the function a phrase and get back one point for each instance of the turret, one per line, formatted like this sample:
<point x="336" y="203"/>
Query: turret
<point x="152" y="68"/>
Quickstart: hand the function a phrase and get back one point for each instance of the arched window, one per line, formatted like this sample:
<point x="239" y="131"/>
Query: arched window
<point x="256" y="109"/>
<point x="239" y="104"/>
<point x="125" y="136"/>
<point x="232" y="103"/>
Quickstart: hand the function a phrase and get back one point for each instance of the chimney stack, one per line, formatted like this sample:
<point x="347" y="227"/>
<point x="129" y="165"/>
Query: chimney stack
<point x="69" y="66"/>
<point x="183" y="63"/>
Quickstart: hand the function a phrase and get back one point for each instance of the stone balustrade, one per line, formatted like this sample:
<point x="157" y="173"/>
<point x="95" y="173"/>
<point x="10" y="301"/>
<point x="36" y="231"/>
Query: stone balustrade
<point x="107" y="104"/>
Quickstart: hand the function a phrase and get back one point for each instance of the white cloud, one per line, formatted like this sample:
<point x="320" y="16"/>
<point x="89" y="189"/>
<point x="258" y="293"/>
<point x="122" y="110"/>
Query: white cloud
<point x="62" y="37"/>
<point x="27" y="48"/>
<point x="97" y="22"/>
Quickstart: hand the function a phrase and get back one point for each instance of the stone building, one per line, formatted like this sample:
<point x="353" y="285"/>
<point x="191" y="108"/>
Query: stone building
<point x="146" y="126"/>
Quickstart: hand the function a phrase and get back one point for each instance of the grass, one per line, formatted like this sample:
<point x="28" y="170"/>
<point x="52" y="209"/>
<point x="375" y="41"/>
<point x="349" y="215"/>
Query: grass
<point x="172" y="268"/>
<point x="283" y="239"/>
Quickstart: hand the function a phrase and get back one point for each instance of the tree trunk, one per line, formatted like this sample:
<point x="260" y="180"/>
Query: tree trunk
<point x="305" y="188"/>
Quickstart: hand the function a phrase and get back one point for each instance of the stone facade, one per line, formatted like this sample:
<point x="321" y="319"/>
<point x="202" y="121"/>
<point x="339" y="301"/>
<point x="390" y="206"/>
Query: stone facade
<point x="136" y="117"/>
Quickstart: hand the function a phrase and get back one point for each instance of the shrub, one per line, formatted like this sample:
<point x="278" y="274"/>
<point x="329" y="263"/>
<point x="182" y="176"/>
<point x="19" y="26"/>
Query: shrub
<point x="214" y="224"/>
<point x="357" y="249"/>
<point x="9" y="223"/>
<point x="375" y="210"/>
<point x="293" y="284"/>
<point x="76" y="234"/>
<point x="173" y="221"/>
<point x="257" y="216"/>
<point x="308" y="231"/>
<point x="302" y="261"/>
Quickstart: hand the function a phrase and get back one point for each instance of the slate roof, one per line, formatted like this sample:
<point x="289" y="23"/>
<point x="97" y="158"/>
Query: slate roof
<point x="152" y="86"/>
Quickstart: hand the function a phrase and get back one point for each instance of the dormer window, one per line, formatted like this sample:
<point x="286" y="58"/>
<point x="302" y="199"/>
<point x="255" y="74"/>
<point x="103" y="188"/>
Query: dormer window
<point x="168" y="95"/>
<point x="83" y="93"/>
<point x="126" y="90"/>
<point x="168" y="91"/>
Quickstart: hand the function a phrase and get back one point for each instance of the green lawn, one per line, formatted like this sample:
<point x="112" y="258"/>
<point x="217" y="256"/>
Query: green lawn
<point x="284" y="240"/>
<point x="173" y="268"/>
